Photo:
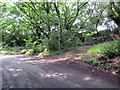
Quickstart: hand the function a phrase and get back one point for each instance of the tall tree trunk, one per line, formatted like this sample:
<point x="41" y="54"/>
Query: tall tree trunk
<point x="114" y="13"/>
<point x="119" y="29"/>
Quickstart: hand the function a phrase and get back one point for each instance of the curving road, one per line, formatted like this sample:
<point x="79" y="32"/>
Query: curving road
<point x="18" y="71"/>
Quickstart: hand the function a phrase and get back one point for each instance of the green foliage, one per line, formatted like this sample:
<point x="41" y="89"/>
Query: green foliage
<point x="48" y="27"/>
<point x="24" y="51"/>
<point x="109" y="65"/>
<point x="57" y="44"/>
<point x="81" y="57"/>
<point x="109" y="49"/>
<point x="34" y="45"/>
<point x="69" y="40"/>
<point x="89" y="34"/>
<point x="10" y="50"/>
<point x="94" y="60"/>
<point x="30" y="52"/>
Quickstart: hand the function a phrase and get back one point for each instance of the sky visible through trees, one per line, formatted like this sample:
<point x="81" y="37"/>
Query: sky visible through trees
<point x="56" y="26"/>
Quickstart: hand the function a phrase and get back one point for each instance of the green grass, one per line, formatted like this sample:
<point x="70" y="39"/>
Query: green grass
<point x="95" y="49"/>
<point x="99" y="47"/>
<point x="110" y="49"/>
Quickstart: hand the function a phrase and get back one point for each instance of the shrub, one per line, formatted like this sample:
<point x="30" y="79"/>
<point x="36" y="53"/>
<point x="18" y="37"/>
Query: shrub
<point x="67" y="39"/>
<point x="57" y="43"/>
<point x="109" y="49"/>
<point x="36" y="46"/>
<point x="112" y="49"/>
<point x="10" y="50"/>
<point x="24" y="51"/>
<point x="30" y="52"/>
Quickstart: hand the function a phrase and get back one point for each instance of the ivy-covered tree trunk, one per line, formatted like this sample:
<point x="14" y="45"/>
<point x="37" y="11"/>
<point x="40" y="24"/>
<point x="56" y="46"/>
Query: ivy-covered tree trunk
<point x="114" y="14"/>
<point x="117" y="21"/>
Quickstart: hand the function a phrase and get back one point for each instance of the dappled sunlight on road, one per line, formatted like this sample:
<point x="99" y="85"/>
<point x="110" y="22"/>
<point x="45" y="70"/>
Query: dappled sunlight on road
<point x="14" y="75"/>
<point x="63" y="75"/>
<point x="18" y="70"/>
<point x="51" y="60"/>
<point x="11" y="69"/>
<point x="21" y="70"/>
<point x="6" y="56"/>
<point x="87" y="78"/>
<point x="44" y="60"/>
<point x="25" y="58"/>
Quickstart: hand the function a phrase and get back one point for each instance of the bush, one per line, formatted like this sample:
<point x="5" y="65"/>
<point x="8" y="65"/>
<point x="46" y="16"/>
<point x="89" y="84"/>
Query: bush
<point x="67" y="39"/>
<point x="10" y="50"/>
<point x="109" y="49"/>
<point x="35" y="45"/>
<point x="24" y="51"/>
<point x="57" y="43"/>
<point x="30" y="52"/>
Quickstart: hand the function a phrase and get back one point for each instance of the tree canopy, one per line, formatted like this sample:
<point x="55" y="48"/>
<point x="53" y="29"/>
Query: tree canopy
<point x="54" y="26"/>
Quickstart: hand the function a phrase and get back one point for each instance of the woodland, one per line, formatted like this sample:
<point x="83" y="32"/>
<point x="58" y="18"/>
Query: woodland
<point x="53" y="28"/>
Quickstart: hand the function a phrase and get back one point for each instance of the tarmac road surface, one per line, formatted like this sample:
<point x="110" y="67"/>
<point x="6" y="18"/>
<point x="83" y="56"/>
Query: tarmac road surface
<point x="19" y="71"/>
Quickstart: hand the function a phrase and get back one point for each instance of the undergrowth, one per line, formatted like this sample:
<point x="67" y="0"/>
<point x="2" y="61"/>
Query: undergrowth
<point x="110" y="49"/>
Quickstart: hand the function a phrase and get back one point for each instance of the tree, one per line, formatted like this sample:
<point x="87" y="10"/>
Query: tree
<point x="52" y="26"/>
<point x="114" y="13"/>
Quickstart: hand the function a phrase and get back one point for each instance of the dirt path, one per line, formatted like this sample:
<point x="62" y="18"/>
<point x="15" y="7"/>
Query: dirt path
<point x="20" y="71"/>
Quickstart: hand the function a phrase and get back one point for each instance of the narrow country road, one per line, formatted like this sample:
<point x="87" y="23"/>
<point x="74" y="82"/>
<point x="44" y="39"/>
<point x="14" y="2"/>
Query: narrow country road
<point x="20" y="71"/>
